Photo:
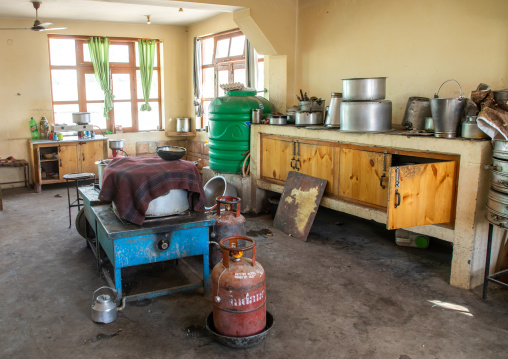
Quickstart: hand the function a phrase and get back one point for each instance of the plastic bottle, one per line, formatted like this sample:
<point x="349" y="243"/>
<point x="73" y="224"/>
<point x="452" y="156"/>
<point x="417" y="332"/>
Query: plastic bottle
<point x="410" y="239"/>
<point x="33" y="129"/>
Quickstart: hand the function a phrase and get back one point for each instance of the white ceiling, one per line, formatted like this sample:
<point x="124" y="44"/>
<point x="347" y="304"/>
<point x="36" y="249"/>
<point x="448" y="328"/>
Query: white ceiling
<point x="163" y="12"/>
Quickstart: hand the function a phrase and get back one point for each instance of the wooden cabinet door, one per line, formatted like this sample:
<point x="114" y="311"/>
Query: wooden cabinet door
<point x="363" y="176"/>
<point x="67" y="159"/>
<point x="422" y="194"/>
<point x="276" y="155"/>
<point x="89" y="153"/>
<point x="316" y="160"/>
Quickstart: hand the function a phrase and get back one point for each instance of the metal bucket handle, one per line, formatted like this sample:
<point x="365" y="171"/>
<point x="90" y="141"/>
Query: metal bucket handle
<point x="227" y="249"/>
<point x="436" y="95"/>
<point x="105" y="287"/>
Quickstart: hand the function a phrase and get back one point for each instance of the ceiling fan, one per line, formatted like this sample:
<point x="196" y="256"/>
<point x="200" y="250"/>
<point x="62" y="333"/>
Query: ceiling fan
<point x="38" y="26"/>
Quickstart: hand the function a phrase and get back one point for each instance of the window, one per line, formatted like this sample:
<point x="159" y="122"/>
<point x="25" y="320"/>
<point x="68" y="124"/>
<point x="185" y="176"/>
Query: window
<point x="223" y="61"/>
<point x="75" y="88"/>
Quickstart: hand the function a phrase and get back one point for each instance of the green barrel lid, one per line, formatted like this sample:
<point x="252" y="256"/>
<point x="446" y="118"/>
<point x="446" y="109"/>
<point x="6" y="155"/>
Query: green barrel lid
<point x="246" y="91"/>
<point x="422" y="242"/>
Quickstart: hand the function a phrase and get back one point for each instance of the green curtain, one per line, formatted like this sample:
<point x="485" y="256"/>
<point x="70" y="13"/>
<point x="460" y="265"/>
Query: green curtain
<point x="146" y="50"/>
<point x="99" y="54"/>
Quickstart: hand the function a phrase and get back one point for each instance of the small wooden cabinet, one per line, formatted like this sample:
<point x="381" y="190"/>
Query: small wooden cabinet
<point x="414" y="188"/>
<point x="68" y="157"/>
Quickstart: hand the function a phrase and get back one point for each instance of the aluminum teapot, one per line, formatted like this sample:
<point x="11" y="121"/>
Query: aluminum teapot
<point x="104" y="309"/>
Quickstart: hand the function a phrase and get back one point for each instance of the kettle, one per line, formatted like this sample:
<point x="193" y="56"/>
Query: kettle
<point x="104" y="309"/>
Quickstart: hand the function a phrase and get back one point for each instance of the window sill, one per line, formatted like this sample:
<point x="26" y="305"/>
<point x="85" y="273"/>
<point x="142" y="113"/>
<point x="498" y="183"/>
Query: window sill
<point x="180" y="134"/>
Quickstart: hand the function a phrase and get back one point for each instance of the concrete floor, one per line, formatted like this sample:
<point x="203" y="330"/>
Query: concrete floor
<point x="349" y="292"/>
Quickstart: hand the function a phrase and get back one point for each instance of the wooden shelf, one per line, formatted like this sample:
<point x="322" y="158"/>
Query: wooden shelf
<point x="53" y="180"/>
<point x="50" y="160"/>
<point x="181" y="134"/>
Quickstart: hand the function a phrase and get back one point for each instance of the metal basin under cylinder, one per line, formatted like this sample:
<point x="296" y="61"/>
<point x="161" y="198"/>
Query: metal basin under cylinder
<point x="175" y="201"/>
<point x="367" y="116"/>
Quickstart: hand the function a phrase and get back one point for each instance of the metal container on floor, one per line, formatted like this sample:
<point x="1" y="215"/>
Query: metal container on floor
<point x="228" y="222"/>
<point x="239" y="291"/>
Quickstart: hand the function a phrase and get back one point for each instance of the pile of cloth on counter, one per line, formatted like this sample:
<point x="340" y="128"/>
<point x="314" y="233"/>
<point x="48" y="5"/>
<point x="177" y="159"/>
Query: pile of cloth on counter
<point x="493" y="116"/>
<point x="133" y="182"/>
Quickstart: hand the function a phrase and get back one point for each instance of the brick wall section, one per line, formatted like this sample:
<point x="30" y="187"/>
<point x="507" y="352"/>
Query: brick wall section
<point x="196" y="150"/>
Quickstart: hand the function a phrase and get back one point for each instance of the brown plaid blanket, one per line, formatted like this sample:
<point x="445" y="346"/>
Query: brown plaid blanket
<point x="133" y="182"/>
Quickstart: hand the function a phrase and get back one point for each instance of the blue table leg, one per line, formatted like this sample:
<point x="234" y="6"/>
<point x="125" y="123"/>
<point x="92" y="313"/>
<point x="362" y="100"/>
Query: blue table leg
<point x="206" y="279"/>
<point x="118" y="282"/>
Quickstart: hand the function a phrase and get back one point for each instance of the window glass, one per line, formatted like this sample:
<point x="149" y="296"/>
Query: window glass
<point x="261" y="76"/>
<point x="154" y="88"/>
<point x="237" y="46"/>
<point x="206" y="104"/>
<point x="93" y="89"/>
<point x="123" y="114"/>
<point x="97" y="114"/>
<point x="122" y="86"/>
<point x="63" y="113"/>
<point x="65" y="85"/>
<point x="208" y="83"/>
<point x="223" y="79"/>
<point x="136" y="51"/>
<point x="222" y="48"/>
<point x="86" y="53"/>
<point x="119" y="53"/>
<point x="62" y="52"/>
<point x="239" y="76"/>
<point x="207" y="51"/>
<point x="148" y="120"/>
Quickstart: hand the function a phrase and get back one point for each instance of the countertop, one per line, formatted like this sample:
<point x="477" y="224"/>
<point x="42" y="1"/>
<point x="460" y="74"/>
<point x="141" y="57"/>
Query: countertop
<point x="67" y="139"/>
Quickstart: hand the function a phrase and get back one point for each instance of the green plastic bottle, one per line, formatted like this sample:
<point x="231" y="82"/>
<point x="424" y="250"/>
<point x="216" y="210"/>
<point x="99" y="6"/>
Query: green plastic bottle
<point x="33" y="129"/>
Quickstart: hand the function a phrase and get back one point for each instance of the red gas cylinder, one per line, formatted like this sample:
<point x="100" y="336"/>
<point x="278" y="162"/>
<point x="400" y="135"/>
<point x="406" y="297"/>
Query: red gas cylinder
<point x="228" y="222"/>
<point x="239" y="290"/>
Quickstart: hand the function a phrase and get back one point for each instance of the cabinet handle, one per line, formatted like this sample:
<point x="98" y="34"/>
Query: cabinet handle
<point x="297" y="148"/>
<point x="397" y="195"/>
<point x="292" y="165"/>
<point x="381" y="181"/>
<point x="296" y="164"/>
<point x="83" y="156"/>
<point x="384" y="161"/>
<point x="59" y="148"/>
<point x="294" y="145"/>
<point x="60" y="162"/>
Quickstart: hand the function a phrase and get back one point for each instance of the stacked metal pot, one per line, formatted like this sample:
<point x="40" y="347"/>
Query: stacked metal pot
<point x="363" y="107"/>
<point x="497" y="203"/>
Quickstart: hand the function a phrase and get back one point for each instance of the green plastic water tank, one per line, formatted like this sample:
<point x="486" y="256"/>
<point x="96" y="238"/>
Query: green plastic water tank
<point x="229" y="128"/>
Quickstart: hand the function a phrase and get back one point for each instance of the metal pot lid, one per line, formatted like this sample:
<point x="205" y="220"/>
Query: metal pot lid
<point x="365" y="78"/>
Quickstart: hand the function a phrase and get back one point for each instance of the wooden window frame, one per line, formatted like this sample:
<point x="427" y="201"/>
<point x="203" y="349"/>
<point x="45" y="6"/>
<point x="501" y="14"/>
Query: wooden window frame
<point x="84" y="68"/>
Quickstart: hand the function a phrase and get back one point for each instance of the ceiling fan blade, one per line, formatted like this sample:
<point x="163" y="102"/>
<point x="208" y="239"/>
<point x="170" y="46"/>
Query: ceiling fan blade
<point x="15" y="28"/>
<point x="46" y="24"/>
<point x="54" y="28"/>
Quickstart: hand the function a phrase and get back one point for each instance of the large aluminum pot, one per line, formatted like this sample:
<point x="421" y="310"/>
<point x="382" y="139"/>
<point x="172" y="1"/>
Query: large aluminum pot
<point x="364" y="89"/>
<point x="218" y="187"/>
<point x="500" y="181"/>
<point x="370" y="116"/>
<point x="306" y="118"/>
<point x="498" y="202"/>
<point x="498" y="165"/>
<point x="500" y="149"/>
<point x="417" y="109"/>
<point x="501" y="96"/>
<point x="447" y="113"/>
<point x="81" y="117"/>
<point x="174" y="201"/>
<point x="116" y="144"/>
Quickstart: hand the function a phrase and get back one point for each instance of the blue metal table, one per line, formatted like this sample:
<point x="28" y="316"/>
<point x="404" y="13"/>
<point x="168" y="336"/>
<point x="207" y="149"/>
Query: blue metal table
<point x="126" y="244"/>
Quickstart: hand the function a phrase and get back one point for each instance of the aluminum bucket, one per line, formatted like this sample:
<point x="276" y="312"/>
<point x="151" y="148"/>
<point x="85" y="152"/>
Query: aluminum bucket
<point x="447" y="113"/>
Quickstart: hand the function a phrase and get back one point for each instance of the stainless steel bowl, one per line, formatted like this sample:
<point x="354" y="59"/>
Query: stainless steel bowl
<point x="175" y="201"/>
<point x="171" y="153"/>
<point x="116" y="144"/>
<point x="364" y="89"/>
<point x="367" y="116"/>
<point x="217" y="187"/>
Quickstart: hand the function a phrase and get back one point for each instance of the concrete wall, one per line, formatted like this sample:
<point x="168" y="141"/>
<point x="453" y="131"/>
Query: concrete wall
<point x="416" y="44"/>
<point x="25" y="88"/>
